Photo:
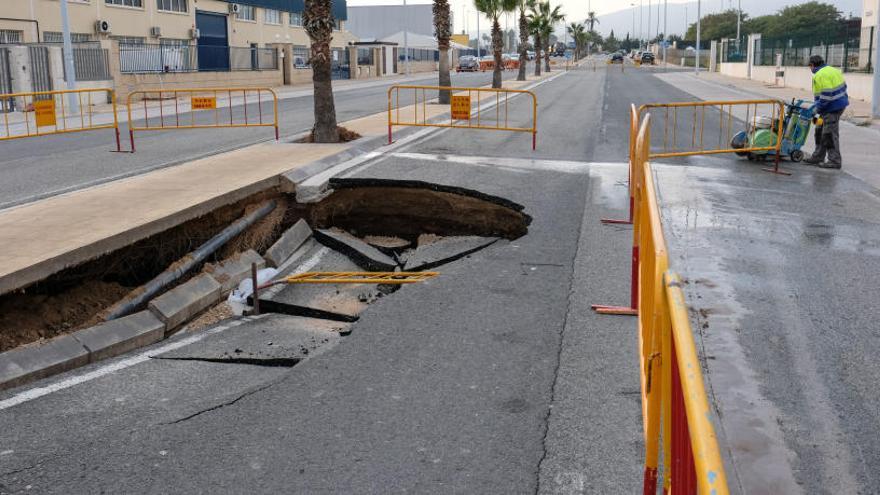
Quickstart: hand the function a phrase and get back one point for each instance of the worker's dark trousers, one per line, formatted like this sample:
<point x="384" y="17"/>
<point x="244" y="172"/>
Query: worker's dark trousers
<point x="828" y="138"/>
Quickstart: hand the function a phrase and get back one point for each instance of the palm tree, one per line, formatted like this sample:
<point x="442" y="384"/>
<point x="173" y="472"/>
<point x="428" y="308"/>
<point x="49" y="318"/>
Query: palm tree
<point x="591" y="19"/>
<point x="537" y="20"/>
<point x="318" y="23"/>
<point x="552" y="17"/>
<point x="443" y="31"/>
<point x="576" y="30"/>
<point x="524" y="31"/>
<point x="493" y="10"/>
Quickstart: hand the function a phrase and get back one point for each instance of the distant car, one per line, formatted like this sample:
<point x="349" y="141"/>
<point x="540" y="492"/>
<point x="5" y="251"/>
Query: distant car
<point x="531" y="54"/>
<point x="468" y="63"/>
<point x="617" y="58"/>
<point x="647" y="58"/>
<point x="513" y="56"/>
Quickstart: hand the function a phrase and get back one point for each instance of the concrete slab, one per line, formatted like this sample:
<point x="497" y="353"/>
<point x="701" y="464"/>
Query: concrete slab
<point x="27" y="364"/>
<point x="271" y="339"/>
<point x="120" y="336"/>
<point x="444" y="251"/>
<point x="183" y="302"/>
<point x="289" y="242"/>
<point x="229" y="273"/>
<point x="364" y="255"/>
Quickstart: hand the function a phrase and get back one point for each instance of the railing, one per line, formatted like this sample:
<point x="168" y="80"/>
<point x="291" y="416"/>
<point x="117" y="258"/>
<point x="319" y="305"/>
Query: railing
<point x="50" y="112"/>
<point x="152" y="58"/>
<point x="840" y="48"/>
<point x="91" y="63"/>
<point x="209" y="108"/>
<point x="461" y="111"/>
<point x="675" y="410"/>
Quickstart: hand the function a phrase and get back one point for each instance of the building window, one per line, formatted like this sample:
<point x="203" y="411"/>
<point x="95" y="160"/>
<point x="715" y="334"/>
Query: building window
<point x="172" y="5"/>
<point x="171" y="42"/>
<point x="58" y="37"/>
<point x="10" y="36"/>
<point x="296" y="19"/>
<point x="272" y="16"/>
<point x="129" y="40"/>
<point x="300" y="57"/>
<point x="246" y="13"/>
<point x="126" y="3"/>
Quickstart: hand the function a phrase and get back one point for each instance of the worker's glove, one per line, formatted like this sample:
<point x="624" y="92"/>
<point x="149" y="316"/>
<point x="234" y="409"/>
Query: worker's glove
<point x="817" y="120"/>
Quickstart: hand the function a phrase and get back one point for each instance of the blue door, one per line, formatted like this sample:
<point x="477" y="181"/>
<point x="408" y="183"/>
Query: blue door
<point x="213" y="41"/>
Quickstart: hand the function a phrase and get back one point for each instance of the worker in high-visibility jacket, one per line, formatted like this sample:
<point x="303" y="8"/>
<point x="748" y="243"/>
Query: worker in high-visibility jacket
<point x="829" y="90"/>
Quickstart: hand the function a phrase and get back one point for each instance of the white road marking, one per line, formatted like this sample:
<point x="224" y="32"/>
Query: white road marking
<point x="492" y="161"/>
<point x="35" y="393"/>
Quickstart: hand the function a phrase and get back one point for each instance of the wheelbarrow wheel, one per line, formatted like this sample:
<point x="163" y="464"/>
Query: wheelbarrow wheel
<point x="797" y="155"/>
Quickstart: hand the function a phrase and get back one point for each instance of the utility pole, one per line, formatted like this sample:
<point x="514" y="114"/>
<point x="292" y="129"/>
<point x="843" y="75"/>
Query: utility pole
<point x="633" y="6"/>
<point x="649" y="24"/>
<point x="478" y="35"/>
<point x="697" y="60"/>
<point x="641" y="24"/>
<point x="69" y="67"/>
<point x="875" y="96"/>
<point x="405" y="40"/>
<point x="739" y="13"/>
<point x="665" y="33"/>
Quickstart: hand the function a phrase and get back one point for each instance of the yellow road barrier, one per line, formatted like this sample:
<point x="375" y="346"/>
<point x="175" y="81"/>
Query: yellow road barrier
<point x="461" y="113"/>
<point x="48" y="112"/>
<point x="705" y="140"/>
<point x="675" y="410"/>
<point x="209" y="108"/>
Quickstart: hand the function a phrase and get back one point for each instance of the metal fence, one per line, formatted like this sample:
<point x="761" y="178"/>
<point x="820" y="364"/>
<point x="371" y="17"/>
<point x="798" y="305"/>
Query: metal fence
<point x="841" y="49"/>
<point x="6" y="104"/>
<point x="734" y="50"/>
<point x="91" y="63"/>
<point x="150" y="58"/>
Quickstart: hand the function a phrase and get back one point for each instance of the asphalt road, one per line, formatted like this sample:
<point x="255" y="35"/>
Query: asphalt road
<point x="496" y="377"/>
<point x="40" y="167"/>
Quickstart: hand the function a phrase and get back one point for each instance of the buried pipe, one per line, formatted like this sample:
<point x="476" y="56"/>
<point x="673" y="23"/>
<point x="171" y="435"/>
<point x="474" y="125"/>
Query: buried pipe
<point x="145" y="292"/>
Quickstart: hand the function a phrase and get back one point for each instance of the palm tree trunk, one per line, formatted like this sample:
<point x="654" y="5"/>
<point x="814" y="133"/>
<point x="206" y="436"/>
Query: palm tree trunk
<point x="537" y="55"/>
<point x="445" y="79"/>
<point x="497" y="47"/>
<point x="318" y="21"/>
<point x="547" y="55"/>
<point x="523" y="45"/>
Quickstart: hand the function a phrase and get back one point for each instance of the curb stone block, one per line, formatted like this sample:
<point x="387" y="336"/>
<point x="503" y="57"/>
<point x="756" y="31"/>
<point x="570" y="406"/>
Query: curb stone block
<point x="229" y="273"/>
<point x="183" y="302"/>
<point x="20" y="366"/>
<point x="121" y="335"/>
<point x="289" y="242"/>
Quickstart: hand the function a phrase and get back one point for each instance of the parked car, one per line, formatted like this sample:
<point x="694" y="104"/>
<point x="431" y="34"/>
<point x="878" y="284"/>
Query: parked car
<point x="468" y="63"/>
<point x="647" y="58"/>
<point x="617" y="58"/>
<point x="531" y="54"/>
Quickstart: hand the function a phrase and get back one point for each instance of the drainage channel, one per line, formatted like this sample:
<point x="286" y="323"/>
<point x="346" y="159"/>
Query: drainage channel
<point x="362" y="225"/>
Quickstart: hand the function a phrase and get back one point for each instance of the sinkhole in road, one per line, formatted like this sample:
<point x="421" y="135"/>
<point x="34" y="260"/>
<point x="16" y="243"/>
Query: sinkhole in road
<point x="418" y="225"/>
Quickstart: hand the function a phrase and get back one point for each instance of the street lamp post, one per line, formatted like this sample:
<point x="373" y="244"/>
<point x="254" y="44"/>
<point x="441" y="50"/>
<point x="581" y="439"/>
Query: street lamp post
<point x="697" y="59"/>
<point x="69" y="67"/>
<point x="633" y="5"/>
<point x="641" y="24"/>
<point x="405" y="40"/>
<point x="665" y="34"/>
<point x="875" y="94"/>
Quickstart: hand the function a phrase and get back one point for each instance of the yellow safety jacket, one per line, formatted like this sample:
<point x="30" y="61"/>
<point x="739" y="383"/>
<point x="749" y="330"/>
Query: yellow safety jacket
<point x="829" y="89"/>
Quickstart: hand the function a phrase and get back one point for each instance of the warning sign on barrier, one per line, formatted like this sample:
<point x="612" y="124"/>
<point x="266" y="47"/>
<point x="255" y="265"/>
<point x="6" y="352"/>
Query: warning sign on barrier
<point x="460" y="107"/>
<point x="204" y="102"/>
<point x="44" y="112"/>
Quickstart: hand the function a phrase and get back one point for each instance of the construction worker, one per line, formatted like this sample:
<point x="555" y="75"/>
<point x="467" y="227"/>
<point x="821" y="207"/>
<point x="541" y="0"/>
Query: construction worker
<point x="829" y="90"/>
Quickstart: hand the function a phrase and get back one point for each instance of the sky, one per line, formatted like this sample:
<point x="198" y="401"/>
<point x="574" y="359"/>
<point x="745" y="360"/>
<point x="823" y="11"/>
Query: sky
<point x="464" y="14"/>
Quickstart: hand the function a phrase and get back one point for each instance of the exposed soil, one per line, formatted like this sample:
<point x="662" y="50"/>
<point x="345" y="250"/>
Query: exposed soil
<point x="213" y="315"/>
<point x="33" y="317"/>
<point x="345" y="135"/>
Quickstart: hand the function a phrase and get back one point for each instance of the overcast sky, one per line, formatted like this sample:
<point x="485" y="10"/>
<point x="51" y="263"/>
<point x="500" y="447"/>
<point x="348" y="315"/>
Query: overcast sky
<point x="577" y="9"/>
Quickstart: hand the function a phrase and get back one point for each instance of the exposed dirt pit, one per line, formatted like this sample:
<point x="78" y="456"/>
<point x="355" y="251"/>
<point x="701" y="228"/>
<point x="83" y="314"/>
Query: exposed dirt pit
<point x="399" y="218"/>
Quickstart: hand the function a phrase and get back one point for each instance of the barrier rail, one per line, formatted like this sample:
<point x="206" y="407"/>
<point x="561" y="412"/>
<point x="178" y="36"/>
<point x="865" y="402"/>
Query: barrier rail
<point x="675" y="410"/>
<point x="49" y="112"/>
<point x="460" y="109"/>
<point x="163" y="109"/>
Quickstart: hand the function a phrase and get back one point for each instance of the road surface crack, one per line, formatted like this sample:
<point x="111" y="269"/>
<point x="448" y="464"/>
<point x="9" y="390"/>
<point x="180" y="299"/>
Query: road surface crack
<point x="223" y="404"/>
<point x="31" y="466"/>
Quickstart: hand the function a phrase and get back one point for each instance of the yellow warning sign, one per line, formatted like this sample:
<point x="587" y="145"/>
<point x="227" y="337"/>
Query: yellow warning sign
<point x="44" y="112"/>
<point x="460" y="107"/>
<point x="204" y="102"/>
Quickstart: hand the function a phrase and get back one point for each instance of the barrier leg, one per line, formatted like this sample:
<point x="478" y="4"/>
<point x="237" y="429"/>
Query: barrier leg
<point x="775" y="169"/>
<point x="118" y="141"/>
<point x="277" y="137"/>
<point x="683" y="478"/>
<point x="633" y="309"/>
<point x="628" y="221"/>
<point x="534" y="140"/>
<point x="131" y="138"/>
<point x="389" y="134"/>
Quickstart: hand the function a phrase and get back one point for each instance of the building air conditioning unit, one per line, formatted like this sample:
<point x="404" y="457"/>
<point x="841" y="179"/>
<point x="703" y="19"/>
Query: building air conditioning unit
<point x="194" y="33"/>
<point x="234" y="8"/>
<point x="156" y="31"/>
<point x="102" y="27"/>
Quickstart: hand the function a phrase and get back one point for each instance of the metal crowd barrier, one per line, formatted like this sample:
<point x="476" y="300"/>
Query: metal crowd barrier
<point x="209" y="108"/>
<point x="675" y="409"/>
<point x="49" y="112"/>
<point x="462" y="115"/>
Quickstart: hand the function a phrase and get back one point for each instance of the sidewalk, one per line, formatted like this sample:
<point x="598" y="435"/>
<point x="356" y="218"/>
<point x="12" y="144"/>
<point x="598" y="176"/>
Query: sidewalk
<point x="52" y="234"/>
<point x="859" y="144"/>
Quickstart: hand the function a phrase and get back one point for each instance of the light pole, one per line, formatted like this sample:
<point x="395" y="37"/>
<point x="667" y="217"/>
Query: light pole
<point x="738" y="20"/>
<point x="405" y="40"/>
<point x="633" y="5"/>
<point x="641" y="24"/>
<point x="665" y="34"/>
<point x="69" y="67"/>
<point x="649" y="25"/>
<point x="697" y="60"/>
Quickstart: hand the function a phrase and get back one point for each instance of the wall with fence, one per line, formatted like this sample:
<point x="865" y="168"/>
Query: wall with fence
<point x="846" y="49"/>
